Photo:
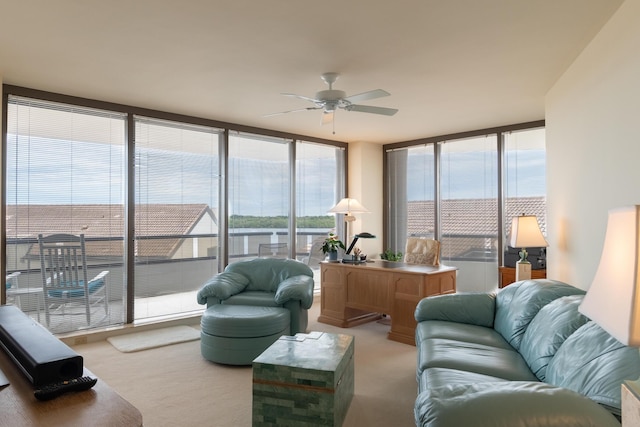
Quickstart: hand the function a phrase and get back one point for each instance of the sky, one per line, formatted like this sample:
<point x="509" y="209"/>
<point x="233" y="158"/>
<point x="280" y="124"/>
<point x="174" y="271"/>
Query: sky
<point x="45" y="171"/>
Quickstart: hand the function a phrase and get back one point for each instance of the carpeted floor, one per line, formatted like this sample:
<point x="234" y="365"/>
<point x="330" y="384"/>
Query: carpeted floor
<point x="175" y="386"/>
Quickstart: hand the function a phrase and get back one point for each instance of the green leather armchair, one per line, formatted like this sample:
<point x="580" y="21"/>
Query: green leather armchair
<point x="267" y="282"/>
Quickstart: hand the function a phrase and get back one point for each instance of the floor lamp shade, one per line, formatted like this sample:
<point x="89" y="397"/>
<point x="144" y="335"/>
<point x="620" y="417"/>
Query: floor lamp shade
<point x="348" y="206"/>
<point x="613" y="300"/>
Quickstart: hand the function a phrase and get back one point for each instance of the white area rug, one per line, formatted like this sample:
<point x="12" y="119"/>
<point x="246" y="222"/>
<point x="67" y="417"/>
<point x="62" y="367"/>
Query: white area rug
<point x="138" y="341"/>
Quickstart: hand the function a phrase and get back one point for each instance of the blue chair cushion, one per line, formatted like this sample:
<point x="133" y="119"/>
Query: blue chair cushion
<point x="76" y="289"/>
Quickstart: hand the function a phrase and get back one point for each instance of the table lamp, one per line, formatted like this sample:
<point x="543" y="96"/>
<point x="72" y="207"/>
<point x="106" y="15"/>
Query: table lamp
<point x="613" y="300"/>
<point x="525" y="233"/>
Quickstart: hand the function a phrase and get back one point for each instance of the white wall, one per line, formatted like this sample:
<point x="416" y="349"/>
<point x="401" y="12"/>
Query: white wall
<point x="593" y="146"/>
<point x="365" y="184"/>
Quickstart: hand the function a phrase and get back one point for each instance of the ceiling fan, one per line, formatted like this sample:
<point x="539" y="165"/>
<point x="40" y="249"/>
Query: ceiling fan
<point x="331" y="100"/>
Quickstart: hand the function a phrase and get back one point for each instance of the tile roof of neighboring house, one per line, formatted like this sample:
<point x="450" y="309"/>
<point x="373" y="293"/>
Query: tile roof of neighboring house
<point x="471" y="224"/>
<point x="102" y="221"/>
<point x="472" y="216"/>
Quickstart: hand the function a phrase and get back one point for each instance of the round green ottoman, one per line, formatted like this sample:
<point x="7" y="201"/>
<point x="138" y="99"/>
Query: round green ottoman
<point x="237" y="334"/>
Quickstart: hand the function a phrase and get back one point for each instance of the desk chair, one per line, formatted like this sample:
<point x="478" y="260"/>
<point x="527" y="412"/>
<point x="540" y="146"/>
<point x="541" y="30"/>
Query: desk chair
<point x="420" y="250"/>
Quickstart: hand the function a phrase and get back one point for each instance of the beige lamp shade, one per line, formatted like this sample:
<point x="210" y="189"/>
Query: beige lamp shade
<point x="348" y="206"/>
<point x="525" y="233"/>
<point x="613" y="300"/>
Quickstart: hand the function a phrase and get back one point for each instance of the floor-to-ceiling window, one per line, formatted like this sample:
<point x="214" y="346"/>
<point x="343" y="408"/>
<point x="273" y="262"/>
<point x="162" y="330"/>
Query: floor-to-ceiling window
<point x="163" y="200"/>
<point x="64" y="175"/>
<point x="469" y="210"/>
<point x="464" y="190"/>
<point x="411" y="189"/>
<point x="319" y="184"/>
<point x="259" y="183"/>
<point x="176" y="200"/>
<point x="525" y="186"/>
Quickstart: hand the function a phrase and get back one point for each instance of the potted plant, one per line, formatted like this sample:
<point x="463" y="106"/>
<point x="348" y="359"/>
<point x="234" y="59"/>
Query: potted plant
<point x="331" y="245"/>
<point x="390" y="255"/>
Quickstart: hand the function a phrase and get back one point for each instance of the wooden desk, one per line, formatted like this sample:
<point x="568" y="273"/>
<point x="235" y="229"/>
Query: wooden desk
<point x="100" y="406"/>
<point x="508" y="275"/>
<point x="352" y="294"/>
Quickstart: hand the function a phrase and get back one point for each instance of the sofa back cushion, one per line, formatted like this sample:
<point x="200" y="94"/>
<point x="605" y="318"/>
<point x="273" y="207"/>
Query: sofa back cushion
<point x="265" y="274"/>
<point x="548" y="330"/>
<point x="594" y="364"/>
<point x="518" y="304"/>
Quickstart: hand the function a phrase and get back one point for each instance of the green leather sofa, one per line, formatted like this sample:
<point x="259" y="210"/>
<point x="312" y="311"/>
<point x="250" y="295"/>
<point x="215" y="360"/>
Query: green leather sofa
<point x="265" y="282"/>
<point x="523" y="356"/>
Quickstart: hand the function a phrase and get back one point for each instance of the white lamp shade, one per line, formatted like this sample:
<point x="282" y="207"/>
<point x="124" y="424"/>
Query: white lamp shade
<point x="612" y="301"/>
<point x="525" y="233"/>
<point x="348" y="206"/>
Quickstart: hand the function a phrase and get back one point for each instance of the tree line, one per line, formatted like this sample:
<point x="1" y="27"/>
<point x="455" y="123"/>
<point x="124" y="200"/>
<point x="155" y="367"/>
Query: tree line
<point x="248" y="221"/>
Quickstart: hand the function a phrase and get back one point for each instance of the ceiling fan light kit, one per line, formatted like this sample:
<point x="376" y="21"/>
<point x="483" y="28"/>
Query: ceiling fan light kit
<point x="330" y="100"/>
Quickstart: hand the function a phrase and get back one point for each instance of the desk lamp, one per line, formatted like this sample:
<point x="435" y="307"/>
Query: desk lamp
<point x="525" y="233"/>
<point x="613" y="300"/>
<point x="347" y="255"/>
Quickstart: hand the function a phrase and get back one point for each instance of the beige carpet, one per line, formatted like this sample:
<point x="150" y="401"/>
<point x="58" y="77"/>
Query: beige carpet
<point x="175" y="386"/>
<point x="146" y="340"/>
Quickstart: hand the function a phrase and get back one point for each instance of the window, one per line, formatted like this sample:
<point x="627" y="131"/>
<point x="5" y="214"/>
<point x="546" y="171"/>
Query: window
<point x="449" y="189"/>
<point x="319" y="184"/>
<point x="65" y="168"/>
<point x="176" y="231"/>
<point x="411" y="190"/>
<point x="525" y="184"/>
<point x="259" y="196"/>
<point x="469" y="210"/>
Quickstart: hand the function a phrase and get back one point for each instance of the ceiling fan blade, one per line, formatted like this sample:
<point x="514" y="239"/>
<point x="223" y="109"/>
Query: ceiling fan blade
<point x="365" y="96"/>
<point x="371" y="109"/>
<point x="306" y="98"/>
<point x="327" y="117"/>
<point x="291" y="111"/>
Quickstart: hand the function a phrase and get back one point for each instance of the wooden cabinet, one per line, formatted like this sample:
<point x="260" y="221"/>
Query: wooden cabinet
<point x="507" y="275"/>
<point x="352" y="294"/>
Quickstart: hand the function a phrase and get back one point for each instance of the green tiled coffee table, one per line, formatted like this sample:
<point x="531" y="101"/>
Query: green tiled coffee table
<point x="305" y="379"/>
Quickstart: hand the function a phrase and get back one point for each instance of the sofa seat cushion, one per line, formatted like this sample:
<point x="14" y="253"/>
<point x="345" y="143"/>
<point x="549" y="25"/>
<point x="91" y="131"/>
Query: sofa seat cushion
<point x="473" y="357"/>
<point x="593" y="363"/>
<point x="265" y="299"/>
<point x="548" y="330"/>
<point x="508" y="403"/>
<point x="441" y="377"/>
<point x="460" y="332"/>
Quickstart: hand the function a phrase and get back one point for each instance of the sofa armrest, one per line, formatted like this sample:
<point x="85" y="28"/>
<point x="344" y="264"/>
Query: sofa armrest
<point x="471" y="308"/>
<point x="296" y="288"/>
<point x="222" y="286"/>
<point x="509" y="403"/>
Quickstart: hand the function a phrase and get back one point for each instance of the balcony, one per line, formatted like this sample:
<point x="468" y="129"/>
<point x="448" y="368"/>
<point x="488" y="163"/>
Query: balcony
<point x="165" y="286"/>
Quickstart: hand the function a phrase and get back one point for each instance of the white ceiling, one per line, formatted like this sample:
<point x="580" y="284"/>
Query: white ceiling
<point x="450" y="65"/>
